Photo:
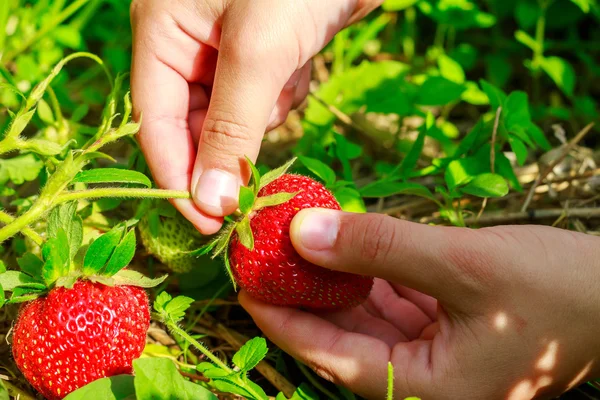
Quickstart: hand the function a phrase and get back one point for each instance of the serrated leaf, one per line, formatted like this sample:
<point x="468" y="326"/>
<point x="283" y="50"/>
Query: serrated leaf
<point x="65" y="217"/>
<point x="250" y="354"/>
<point x="244" y="232"/>
<point x="56" y="255"/>
<point x="119" y="387"/>
<point x="31" y="264"/>
<point x="255" y="184"/>
<point x="158" y="378"/>
<point x="20" y="169"/>
<point x="134" y="278"/>
<point x="161" y="301"/>
<point x="320" y="169"/>
<point x="273" y="200"/>
<point x="276" y="173"/>
<point x="112" y="175"/>
<point x="101" y="250"/>
<point x="172" y="309"/>
<point x="122" y="255"/>
<point x="486" y="185"/>
<point x="13" y="279"/>
<point x="246" y="199"/>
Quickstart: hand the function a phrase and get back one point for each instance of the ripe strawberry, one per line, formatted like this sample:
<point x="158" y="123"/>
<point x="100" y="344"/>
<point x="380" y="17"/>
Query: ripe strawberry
<point x="74" y="336"/>
<point x="175" y="236"/>
<point x="274" y="272"/>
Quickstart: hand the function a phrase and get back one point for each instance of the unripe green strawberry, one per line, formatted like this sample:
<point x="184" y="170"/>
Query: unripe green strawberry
<point x="173" y="239"/>
<point x="72" y="337"/>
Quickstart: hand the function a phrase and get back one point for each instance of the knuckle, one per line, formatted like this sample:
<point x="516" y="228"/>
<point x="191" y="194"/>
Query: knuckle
<point x="471" y="255"/>
<point x="378" y="238"/>
<point x="224" y="134"/>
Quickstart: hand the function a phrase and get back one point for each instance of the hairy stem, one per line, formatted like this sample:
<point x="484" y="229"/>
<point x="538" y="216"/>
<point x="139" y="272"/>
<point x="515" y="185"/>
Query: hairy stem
<point x="24" y="221"/>
<point x="6" y="218"/>
<point x="175" y="329"/>
<point x="122" y="193"/>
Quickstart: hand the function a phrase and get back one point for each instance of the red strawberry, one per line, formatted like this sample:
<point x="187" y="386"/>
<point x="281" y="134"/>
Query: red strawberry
<point x="274" y="272"/>
<point x="74" y="336"/>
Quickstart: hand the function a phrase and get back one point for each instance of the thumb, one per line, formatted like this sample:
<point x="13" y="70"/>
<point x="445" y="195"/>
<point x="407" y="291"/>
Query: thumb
<point x="251" y="72"/>
<point x="443" y="262"/>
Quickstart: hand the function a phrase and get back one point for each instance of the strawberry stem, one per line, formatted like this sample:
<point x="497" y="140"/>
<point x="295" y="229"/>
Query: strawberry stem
<point x="177" y="330"/>
<point x="122" y="193"/>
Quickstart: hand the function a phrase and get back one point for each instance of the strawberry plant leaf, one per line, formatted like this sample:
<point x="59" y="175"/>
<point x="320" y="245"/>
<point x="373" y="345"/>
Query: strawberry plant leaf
<point x="119" y="387"/>
<point x="410" y="161"/>
<point x="172" y="309"/>
<point x="246" y="201"/>
<point x="65" y="217"/>
<point x="273" y="200"/>
<point x="45" y="147"/>
<point x="244" y="232"/>
<point x="207" y="248"/>
<point x="486" y="185"/>
<point x="275" y="173"/>
<point x="250" y="354"/>
<point x="561" y="72"/>
<point x="154" y="222"/>
<point x="255" y="184"/>
<point x="112" y="175"/>
<point x="303" y="392"/>
<point x="100" y="251"/>
<point x="10" y="280"/>
<point x="536" y="134"/>
<point x="158" y="378"/>
<point x="134" y="278"/>
<point x="56" y="255"/>
<point x="386" y="188"/>
<point x="31" y="264"/>
<point x="223" y="240"/>
<point x="320" y="169"/>
<point x="439" y="91"/>
<point x="496" y="96"/>
<point x="519" y="148"/>
<point x="122" y="255"/>
<point x="463" y="170"/>
<point x="20" y="169"/>
<point x="350" y="199"/>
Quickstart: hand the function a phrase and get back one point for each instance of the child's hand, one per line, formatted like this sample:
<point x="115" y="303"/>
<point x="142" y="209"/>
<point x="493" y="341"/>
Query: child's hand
<point x="516" y="314"/>
<point x="209" y="76"/>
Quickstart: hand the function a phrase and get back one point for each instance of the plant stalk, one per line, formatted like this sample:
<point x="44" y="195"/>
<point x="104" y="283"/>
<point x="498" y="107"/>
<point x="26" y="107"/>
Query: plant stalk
<point x="176" y="329"/>
<point x="6" y="218"/>
<point x="121" y="193"/>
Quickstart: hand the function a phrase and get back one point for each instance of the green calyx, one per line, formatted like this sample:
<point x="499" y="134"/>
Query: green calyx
<point x="65" y="259"/>
<point x="249" y="203"/>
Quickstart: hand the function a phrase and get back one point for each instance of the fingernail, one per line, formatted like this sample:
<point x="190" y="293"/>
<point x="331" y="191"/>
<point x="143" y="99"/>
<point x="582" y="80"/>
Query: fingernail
<point x="316" y="229"/>
<point x="217" y="192"/>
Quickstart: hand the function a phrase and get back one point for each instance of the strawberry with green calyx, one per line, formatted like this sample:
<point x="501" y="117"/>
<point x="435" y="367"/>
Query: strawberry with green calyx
<point x="169" y="237"/>
<point x="259" y="254"/>
<point x="85" y="316"/>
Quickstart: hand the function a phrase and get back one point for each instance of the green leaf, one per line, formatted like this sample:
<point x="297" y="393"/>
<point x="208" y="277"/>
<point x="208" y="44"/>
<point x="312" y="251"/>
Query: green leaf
<point x="134" y="278"/>
<point x="365" y="35"/>
<point x="65" y="217"/>
<point x="584" y="4"/>
<point x="20" y="122"/>
<point x="3" y="391"/>
<point x="519" y="148"/>
<point x="246" y="201"/>
<point x="437" y="90"/>
<point x="244" y="232"/>
<point x="410" y="161"/>
<point x="13" y="279"/>
<point x="31" y="264"/>
<point x="303" y="392"/>
<point x="235" y="383"/>
<point x="487" y="185"/>
<point x="255" y="176"/>
<point x="350" y="200"/>
<point x="320" y="169"/>
<point x="387" y="188"/>
<point x="172" y="309"/>
<point x="398" y="5"/>
<point x="112" y="175"/>
<point x="450" y="69"/>
<point x="100" y="251"/>
<point x="463" y="170"/>
<point x="497" y="97"/>
<point x="122" y="255"/>
<point x="119" y="387"/>
<point x="45" y="112"/>
<point x="276" y="173"/>
<point x="273" y="200"/>
<point x="561" y="72"/>
<point x="20" y="169"/>
<point x="250" y="354"/>
<point x="525" y="39"/>
<point x="56" y="255"/>
<point x="158" y="378"/>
